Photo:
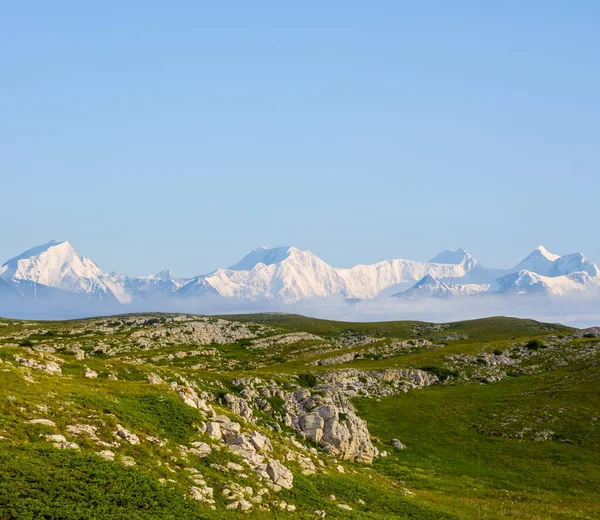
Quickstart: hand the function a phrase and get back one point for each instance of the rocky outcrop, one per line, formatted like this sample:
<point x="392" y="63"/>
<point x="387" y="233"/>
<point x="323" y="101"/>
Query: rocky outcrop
<point x="324" y="414"/>
<point x="331" y="422"/>
<point x="238" y="406"/>
<point x="50" y="367"/>
<point x="196" y="331"/>
<point x="191" y="398"/>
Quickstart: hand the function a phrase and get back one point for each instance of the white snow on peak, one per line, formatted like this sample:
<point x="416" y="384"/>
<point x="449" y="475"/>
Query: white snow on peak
<point x="288" y="273"/>
<point x="163" y="275"/>
<point x="544" y="263"/>
<point x="291" y="275"/>
<point x="452" y="256"/>
<point x="57" y="264"/>
<point x="528" y="282"/>
<point x="541" y="250"/>
<point x="430" y="287"/>
<point x="368" y="281"/>
<point x="263" y="255"/>
<point x="574" y="263"/>
<point x="539" y="261"/>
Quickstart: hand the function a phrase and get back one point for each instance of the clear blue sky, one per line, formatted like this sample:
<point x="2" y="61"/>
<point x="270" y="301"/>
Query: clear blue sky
<point x="183" y="134"/>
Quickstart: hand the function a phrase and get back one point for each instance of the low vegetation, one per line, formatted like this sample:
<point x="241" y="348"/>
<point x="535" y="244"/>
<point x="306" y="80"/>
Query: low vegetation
<point x="282" y="416"/>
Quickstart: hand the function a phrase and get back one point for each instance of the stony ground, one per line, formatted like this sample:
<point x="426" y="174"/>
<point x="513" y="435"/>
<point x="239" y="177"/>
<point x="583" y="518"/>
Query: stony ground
<point x="180" y="416"/>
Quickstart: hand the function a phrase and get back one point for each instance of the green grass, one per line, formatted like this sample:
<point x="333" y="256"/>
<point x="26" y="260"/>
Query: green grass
<point x="456" y="452"/>
<point x="163" y="415"/>
<point x="51" y="484"/>
<point x="470" y="451"/>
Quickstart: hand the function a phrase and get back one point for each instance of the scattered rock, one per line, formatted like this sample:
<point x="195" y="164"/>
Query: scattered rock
<point x="131" y="438"/>
<point x="153" y="379"/>
<point x="106" y="454"/>
<point x="397" y="444"/>
<point x="90" y="374"/>
<point x="45" y="422"/>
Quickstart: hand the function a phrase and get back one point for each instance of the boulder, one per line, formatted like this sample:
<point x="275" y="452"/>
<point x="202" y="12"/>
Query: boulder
<point x="214" y="431"/>
<point x="90" y="374"/>
<point x="260" y="442"/>
<point x="45" y="422"/>
<point x="153" y="379"/>
<point x="131" y="438"/>
<point x="397" y="444"/>
<point x="279" y="474"/>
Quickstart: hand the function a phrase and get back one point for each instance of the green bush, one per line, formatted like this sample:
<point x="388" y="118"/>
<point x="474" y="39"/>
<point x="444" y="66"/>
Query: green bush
<point x="534" y="344"/>
<point x="56" y="484"/>
<point x="307" y="380"/>
<point x="441" y="372"/>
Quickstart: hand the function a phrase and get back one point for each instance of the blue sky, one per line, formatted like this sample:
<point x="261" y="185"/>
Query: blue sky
<point x="181" y="135"/>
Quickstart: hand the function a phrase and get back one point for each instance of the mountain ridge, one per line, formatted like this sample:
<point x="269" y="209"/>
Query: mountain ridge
<point x="289" y="275"/>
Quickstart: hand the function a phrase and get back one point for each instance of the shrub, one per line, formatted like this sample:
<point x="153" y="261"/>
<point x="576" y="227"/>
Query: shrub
<point x="307" y="380"/>
<point x="52" y="484"/>
<point x="26" y="343"/>
<point x="534" y="344"/>
<point x="441" y="372"/>
<point x="497" y="352"/>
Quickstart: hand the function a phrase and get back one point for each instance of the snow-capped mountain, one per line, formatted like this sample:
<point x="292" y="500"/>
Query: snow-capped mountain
<point x="540" y="261"/>
<point x="456" y="256"/>
<point x="56" y="265"/>
<point x="157" y="285"/>
<point x="529" y="282"/>
<point x="293" y="275"/>
<point x="428" y="286"/>
<point x="289" y="275"/>
<point x="262" y="255"/>
<point x="540" y="272"/>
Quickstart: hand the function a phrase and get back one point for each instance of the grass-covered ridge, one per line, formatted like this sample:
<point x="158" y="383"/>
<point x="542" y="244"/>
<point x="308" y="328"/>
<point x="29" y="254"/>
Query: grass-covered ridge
<point x="498" y="418"/>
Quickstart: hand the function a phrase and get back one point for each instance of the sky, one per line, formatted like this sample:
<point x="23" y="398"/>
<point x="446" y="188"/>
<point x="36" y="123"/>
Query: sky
<point x="181" y="135"/>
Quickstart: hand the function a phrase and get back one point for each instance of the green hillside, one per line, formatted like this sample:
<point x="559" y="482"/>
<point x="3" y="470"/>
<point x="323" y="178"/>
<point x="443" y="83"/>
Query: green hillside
<point x="284" y="416"/>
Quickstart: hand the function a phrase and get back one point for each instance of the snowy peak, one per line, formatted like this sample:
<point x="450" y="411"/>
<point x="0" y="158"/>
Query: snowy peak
<point x="49" y="264"/>
<point x="528" y="282"/>
<point x="574" y="263"/>
<point x="544" y="263"/>
<point x="262" y="255"/>
<point x="57" y="265"/>
<point x="539" y="261"/>
<point x="450" y="256"/>
<point x="196" y="287"/>
<point x="427" y="286"/>
<point x="543" y="252"/>
<point x="290" y="274"/>
<point x="427" y="280"/>
<point x="458" y="256"/>
<point x="163" y="275"/>
<point x="37" y="250"/>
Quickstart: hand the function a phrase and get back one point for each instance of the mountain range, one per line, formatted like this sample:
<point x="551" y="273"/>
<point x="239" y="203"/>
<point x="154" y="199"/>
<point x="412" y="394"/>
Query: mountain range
<point x="290" y="275"/>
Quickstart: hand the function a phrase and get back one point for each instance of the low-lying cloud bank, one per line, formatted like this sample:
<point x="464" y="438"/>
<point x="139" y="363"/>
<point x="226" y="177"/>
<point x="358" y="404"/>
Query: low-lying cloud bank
<point x="578" y="311"/>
